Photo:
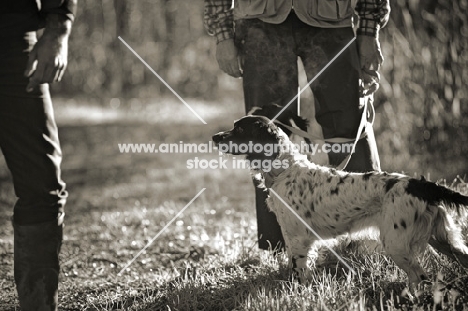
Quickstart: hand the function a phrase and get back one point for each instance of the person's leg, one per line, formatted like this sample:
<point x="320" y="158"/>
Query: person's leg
<point x="336" y="90"/>
<point x="30" y="145"/>
<point x="270" y="73"/>
<point x="269" y="76"/>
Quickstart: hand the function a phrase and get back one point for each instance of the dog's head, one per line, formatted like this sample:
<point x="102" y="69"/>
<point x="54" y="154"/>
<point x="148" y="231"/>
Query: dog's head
<point x="254" y="136"/>
<point x="288" y="116"/>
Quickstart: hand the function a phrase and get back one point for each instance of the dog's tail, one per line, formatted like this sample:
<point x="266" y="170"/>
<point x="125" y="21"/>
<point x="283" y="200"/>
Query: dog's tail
<point x="447" y="238"/>
<point x="435" y="194"/>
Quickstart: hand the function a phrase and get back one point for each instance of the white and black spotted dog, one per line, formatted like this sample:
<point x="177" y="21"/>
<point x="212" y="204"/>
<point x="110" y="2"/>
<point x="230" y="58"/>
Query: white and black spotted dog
<point x="409" y="213"/>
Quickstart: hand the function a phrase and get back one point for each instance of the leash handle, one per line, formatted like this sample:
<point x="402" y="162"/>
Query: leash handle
<point x="362" y="125"/>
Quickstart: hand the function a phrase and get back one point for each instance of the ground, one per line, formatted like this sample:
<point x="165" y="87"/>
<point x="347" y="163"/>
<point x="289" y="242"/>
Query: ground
<point x="207" y="258"/>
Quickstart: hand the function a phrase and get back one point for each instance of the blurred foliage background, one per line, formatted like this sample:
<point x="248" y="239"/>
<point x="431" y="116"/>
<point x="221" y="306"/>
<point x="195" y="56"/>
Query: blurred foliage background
<point x="422" y="104"/>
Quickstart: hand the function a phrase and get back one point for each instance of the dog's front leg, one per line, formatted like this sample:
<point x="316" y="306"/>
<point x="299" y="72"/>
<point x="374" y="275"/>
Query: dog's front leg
<point x="298" y="264"/>
<point x="297" y="250"/>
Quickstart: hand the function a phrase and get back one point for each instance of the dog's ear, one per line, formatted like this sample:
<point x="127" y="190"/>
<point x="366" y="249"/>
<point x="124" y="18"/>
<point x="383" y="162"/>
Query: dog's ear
<point x="254" y="111"/>
<point x="269" y="111"/>
<point x="301" y="122"/>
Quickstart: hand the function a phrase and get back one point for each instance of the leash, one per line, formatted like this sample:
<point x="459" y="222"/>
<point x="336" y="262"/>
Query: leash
<point x="362" y="125"/>
<point x="360" y="133"/>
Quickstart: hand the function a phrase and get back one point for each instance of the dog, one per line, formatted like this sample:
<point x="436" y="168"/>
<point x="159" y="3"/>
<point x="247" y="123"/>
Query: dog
<point x="409" y="213"/>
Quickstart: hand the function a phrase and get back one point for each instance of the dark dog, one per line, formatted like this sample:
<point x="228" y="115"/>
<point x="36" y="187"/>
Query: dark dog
<point x="409" y="213"/>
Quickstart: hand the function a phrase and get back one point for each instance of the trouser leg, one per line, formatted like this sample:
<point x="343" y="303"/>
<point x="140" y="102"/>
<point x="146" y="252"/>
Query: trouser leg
<point x="30" y="145"/>
<point x="336" y="91"/>
<point x="269" y="76"/>
<point x="270" y="73"/>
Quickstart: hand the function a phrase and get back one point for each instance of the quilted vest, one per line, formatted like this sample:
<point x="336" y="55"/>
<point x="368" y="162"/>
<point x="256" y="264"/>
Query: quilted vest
<point x="318" y="13"/>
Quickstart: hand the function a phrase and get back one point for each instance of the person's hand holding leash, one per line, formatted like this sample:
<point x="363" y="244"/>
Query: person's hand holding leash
<point x="371" y="58"/>
<point x="48" y="58"/>
<point x="228" y="58"/>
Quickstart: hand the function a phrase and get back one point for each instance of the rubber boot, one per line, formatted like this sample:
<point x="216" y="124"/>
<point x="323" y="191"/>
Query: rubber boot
<point x="270" y="236"/>
<point x="36" y="261"/>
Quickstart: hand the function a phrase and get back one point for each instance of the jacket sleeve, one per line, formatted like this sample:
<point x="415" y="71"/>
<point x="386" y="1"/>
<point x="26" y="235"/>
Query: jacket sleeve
<point x="373" y="15"/>
<point x="65" y="7"/>
<point x="219" y="19"/>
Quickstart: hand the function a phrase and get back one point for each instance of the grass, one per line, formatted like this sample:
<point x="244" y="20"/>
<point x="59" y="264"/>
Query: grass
<point x="207" y="259"/>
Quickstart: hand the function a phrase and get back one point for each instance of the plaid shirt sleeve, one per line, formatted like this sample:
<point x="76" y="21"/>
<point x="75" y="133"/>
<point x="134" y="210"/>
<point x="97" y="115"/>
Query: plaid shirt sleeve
<point x="219" y="19"/>
<point x="373" y="15"/>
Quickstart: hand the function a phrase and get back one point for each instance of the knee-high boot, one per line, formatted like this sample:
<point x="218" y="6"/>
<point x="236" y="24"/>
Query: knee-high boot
<point x="36" y="264"/>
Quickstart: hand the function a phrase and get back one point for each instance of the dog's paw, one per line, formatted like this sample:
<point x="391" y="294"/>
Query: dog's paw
<point x="301" y="276"/>
<point x="416" y="293"/>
